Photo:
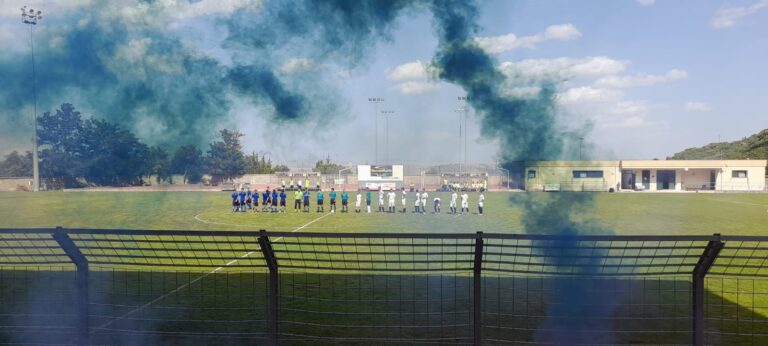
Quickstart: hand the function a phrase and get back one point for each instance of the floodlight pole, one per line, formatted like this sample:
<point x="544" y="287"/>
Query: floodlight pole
<point x="386" y="115"/>
<point x="31" y="17"/>
<point x="460" y="112"/>
<point x="376" y="101"/>
<point x="465" y="109"/>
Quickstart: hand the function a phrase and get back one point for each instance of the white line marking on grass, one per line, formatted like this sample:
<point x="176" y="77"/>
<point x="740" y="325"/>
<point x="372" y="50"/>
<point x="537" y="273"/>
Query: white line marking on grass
<point x="736" y="202"/>
<point x="198" y="218"/>
<point x="214" y="271"/>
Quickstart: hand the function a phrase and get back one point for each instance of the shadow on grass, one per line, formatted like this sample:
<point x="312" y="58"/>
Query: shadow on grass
<point x="230" y="308"/>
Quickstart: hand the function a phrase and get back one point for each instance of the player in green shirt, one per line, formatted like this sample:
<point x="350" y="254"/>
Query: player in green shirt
<point x="368" y="199"/>
<point x="297" y="196"/>
<point x="333" y="200"/>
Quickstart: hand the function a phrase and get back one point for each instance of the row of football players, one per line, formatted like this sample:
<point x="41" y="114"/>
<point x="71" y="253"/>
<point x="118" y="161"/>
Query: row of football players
<point x="275" y="201"/>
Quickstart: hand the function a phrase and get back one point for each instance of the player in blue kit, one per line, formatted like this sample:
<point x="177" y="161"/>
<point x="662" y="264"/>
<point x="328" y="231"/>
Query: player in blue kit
<point x="275" y="196"/>
<point x="242" y="199"/>
<point x="265" y="200"/>
<point x="283" y="197"/>
<point x="235" y="202"/>
<point x="255" y="197"/>
<point x="320" y="201"/>
<point x="306" y="200"/>
<point x="248" y="198"/>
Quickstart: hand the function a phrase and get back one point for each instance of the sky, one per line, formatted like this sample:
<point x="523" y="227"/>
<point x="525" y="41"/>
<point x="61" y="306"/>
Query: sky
<point x="640" y="79"/>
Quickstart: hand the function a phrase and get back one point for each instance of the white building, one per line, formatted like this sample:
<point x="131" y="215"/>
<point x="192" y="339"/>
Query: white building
<point x="646" y="175"/>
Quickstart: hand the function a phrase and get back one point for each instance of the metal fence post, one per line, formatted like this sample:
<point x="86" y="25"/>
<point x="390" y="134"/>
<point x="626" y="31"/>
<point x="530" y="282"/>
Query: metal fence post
<point x="699" y="272"/>
<point x="273" y="294"/>
<point x="477" y="279"/>
<point x="81" y="282"/>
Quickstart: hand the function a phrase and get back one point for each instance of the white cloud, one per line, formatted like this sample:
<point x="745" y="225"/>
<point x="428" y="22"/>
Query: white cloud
<point x="588" y="94"/>
<point x="414" y="88"/>
<point x="641" y="79"/>
<point x="215" y="7"/>
<point x="562" y="68"/>
<point x="415" y="70"/>
<point x="629" y="108"/>
<point x="505" y="43"/>
<point x="523" y="92"/>
<point x="646" y="2"/>
<point x="299" y="65"/>
<point x="695" y="106"/>
<point x="414" y="77"/>
<point x="727" y="17"/>
<point x="134" y="60"/>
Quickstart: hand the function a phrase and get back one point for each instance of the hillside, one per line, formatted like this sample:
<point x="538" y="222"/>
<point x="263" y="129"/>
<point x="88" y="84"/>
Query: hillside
<point x="753" y="147"/>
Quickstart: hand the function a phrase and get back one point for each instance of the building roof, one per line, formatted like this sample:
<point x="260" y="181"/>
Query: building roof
<point x="654" y="164"/>
<point x="674" y="164"/>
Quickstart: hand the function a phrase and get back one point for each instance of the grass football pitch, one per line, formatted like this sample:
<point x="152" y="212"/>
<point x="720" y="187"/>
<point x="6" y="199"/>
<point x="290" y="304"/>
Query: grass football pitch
<point x="620" y="213"/>
<point x="204" y="294"/>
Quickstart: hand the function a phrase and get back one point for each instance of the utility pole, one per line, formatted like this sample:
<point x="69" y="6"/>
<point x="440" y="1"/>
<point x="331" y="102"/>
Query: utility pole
<point x="31" y="17"/>
<point x="375" y="101"/>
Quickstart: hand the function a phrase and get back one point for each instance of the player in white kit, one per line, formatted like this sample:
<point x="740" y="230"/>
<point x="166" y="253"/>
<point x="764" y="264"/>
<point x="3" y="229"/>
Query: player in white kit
<point x="480" y="202"/>
<point x="437" y="205"/>
<point x="391" y="201"/>
<point x="424" y="197"/>
<point x="454" y="196"/>
<point x="464" y="202"/>
<point x="403" y="199"/>
<point x="358" y="201"/>
<point x="381" y="200"/>
<point x="417" y="203"/>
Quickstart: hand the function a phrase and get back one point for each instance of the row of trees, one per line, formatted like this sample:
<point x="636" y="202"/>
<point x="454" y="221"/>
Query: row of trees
<point x="16" y="165"/>
<point x="75" y="152"/>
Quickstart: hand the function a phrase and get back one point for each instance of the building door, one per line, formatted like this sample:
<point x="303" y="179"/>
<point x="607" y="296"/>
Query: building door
<point x="646" y="179"/>
<point x="712" y="179"/>
<point x="628" y="180"/>
<point x="665" y="180"/>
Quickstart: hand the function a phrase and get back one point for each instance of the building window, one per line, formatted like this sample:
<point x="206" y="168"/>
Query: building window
<point x="739" y="174"/>
<point x="587" y="174"/>
<point x="531" y="174"/>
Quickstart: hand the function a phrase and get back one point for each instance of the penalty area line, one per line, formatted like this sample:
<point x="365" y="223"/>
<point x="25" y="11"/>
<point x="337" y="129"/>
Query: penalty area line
<point x="214" y="271"/>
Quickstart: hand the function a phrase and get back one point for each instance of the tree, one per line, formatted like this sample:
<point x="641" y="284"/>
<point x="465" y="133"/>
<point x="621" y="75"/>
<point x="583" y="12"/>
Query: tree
<point x="188" y="160"/>
<point x="59" y="136"/>
<point x="327" y="167"/>
<point x="16" y="165"/>
<point x="76" y="151"/>
<point x="159" y="167"/>
<point x="256" y="165"/>
<point x="114" y="156"/>
<point x="225" y="158"/>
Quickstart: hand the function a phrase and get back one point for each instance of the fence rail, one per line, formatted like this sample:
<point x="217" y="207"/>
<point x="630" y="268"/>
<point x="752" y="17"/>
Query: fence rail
<point x="83" y="286"/>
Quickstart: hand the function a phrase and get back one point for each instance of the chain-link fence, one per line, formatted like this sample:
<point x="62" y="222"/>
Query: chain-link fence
<point x="78" y="286"/>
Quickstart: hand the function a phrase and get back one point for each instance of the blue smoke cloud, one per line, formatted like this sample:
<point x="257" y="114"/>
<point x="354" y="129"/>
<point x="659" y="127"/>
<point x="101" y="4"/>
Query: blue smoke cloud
<point x="526" y="130"/>
<point x="157" y="77"/>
